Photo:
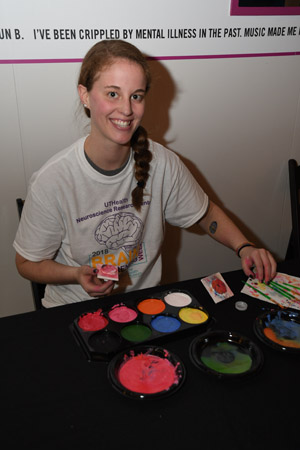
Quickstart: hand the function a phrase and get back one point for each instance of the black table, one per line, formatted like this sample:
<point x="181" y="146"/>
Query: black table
<point x="52" y="397"/>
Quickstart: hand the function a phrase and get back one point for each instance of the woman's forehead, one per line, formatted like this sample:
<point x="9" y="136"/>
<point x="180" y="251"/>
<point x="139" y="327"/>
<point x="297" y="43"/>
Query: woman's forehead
<point x="122" y="69"/>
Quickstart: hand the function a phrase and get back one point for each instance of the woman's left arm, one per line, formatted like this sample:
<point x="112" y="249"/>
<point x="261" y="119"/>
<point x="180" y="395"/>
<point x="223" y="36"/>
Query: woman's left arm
<point x="221" y="228"/>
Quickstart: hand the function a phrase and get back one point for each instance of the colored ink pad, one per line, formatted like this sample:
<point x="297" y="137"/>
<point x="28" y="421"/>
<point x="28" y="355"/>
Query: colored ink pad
<point x="151" y="306"/>
<point x="136" y="332"/>
<point x="92" y="321"/>
<point x="226" y="355"/>
<point x="279" y="330"/>
<point x="165" y="324"/>
<point x="178" y="299"/>
<point x="193" y="315"/>
<point x="146" y="372"/>
<point x="122" y="314"/>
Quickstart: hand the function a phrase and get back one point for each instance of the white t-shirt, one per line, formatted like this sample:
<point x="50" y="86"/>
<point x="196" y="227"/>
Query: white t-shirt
<point x="76" y="216"/>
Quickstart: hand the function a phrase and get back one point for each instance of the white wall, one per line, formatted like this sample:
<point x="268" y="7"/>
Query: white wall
<point x="235" y="122"/>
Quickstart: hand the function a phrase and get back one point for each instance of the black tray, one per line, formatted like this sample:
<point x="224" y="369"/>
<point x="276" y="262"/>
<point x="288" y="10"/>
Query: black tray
<point x="143" y="329"/>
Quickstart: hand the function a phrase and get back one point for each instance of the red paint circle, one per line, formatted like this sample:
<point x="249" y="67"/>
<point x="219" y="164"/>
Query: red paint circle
<point x="92" y="321"/>
<point x="219" y="286"/>
<point x="147" y="374"/>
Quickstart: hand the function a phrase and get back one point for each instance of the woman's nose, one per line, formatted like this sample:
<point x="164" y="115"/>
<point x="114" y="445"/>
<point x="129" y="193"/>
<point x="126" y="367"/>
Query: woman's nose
<point x="125" y="107"/>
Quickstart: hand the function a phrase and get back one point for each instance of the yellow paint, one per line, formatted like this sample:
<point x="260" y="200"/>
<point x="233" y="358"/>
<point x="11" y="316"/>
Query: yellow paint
<point x="193" y="315"/>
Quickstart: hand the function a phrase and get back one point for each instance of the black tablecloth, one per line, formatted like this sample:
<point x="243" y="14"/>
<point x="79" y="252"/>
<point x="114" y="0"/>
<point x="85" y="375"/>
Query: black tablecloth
<point x="52" y="397"/>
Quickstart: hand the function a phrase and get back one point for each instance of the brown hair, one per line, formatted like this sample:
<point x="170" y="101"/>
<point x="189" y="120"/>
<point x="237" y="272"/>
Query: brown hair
<point x="100" y="56"/>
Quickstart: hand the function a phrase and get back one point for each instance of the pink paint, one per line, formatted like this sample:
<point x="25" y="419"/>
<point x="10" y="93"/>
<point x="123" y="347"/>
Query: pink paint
<point x="147" y="374"/>
<point x="92" y="321"/>
<point x="122" y="314"/>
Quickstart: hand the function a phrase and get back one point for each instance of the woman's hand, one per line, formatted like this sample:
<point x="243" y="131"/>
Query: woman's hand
<point x="87" y="278"/>
<point x="262" y="260"/>
<point x="52" y="272"/>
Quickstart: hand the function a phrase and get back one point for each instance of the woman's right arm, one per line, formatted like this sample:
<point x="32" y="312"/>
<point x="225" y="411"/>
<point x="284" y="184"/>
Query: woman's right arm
<point x="52" y="272"/>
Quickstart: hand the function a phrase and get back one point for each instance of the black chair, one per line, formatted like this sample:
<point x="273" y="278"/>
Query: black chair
<point x="293" y="250"/>
<point x="38" y="289"/>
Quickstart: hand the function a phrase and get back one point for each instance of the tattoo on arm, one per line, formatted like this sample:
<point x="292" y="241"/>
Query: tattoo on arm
<point x="213" y="227"/>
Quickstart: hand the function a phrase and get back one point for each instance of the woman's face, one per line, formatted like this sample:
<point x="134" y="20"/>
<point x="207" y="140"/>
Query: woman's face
<point x="116" y="102"/>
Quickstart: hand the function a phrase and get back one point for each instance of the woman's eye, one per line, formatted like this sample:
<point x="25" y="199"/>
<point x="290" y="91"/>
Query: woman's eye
<point x="112" y="94"/>
<point x="137" y="97"/>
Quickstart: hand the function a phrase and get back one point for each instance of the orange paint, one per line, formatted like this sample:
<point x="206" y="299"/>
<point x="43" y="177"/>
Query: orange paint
<point x="283" y="342"/>
<point x="151" y="306"/>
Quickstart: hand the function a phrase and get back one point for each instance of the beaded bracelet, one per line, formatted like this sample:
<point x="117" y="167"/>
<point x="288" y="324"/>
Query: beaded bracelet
<point x="246" y="244"/>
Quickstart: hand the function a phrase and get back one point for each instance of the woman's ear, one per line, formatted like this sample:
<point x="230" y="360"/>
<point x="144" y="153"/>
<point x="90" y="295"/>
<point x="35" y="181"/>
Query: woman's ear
<point x="84" y="95"/>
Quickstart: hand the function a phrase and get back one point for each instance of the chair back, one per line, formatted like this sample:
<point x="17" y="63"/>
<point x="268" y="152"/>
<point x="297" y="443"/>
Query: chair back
<point x="38" y="289"/>
<point x="293" y="250"/>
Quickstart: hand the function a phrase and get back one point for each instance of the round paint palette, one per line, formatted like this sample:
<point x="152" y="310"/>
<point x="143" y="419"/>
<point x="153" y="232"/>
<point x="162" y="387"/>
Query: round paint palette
<point x="226" y="355"/>
<point x="279" y="329"/>
<point x="146" y="372"/>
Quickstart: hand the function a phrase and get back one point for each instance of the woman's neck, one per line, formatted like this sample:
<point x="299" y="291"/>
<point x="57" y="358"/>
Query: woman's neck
<point x="108" y="157"/>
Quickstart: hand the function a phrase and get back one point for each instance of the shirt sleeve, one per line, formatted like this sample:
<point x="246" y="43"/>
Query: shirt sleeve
<point x="41" y="228"/>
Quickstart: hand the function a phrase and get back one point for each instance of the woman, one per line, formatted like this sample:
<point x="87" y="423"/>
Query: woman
<point x="105" y="199"/>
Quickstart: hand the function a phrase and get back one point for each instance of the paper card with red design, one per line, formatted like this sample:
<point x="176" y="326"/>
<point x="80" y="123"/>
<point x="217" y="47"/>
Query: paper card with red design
<point x="107" y="272"/>
<point x="217" y="287"/>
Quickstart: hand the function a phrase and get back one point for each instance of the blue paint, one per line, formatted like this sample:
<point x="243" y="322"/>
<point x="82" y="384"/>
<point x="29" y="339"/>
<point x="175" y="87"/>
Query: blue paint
<point x="165" y="324"/>
<point x="283" y="328"/>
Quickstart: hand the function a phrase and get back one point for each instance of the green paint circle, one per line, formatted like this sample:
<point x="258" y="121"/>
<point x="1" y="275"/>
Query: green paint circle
<point x="226" y="358"/>
<point x="136" y="333"/>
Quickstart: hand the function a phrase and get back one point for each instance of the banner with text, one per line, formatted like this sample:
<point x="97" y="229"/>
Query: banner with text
<point x="63" y="30"/>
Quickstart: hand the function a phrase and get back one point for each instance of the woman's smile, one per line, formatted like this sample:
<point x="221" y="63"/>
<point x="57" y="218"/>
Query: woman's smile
<point x="121" y="124"/>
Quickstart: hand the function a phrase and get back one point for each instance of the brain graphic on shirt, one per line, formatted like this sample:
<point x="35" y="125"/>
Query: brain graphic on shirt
<point x="122" y="230"/>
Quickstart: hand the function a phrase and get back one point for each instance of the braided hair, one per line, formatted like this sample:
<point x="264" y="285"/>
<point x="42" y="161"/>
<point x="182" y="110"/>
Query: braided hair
<point x="99" y="57"/>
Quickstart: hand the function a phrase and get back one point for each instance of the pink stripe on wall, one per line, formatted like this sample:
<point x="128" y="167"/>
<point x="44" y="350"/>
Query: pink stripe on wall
<point x="233" y="55"/>
<point x="39" y="61"/>
<point x="156" y="58"/>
